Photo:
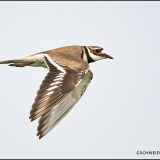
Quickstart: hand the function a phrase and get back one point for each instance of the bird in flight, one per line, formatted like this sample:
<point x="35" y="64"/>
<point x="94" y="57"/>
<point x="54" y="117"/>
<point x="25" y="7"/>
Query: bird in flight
<point x="65" y="83"/>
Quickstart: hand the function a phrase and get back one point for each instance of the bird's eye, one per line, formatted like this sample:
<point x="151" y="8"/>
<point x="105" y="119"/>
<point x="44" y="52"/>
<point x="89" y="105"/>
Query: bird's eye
<point x="99" y="49"/>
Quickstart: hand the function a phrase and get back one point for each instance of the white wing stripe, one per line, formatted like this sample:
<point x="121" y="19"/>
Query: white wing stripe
<point x="52" y="88"/>
<point x="49" y="93"/>
<point x="54" y="64"/>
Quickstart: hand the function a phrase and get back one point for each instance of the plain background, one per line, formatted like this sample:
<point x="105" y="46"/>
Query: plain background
<point x="119" y="113"/>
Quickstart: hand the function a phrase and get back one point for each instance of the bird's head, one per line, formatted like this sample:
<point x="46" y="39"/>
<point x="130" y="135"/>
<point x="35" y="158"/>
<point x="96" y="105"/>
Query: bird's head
<point x="95" y="53"/>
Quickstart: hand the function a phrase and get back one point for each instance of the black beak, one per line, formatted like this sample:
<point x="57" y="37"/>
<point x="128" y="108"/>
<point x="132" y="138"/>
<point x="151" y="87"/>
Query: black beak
<point x="108" y="56"/>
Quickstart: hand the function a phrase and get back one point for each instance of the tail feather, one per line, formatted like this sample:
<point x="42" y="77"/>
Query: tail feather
<point x="17" y="62"/>
<point x="11" y="61"/>
<point x="34" y="61"/>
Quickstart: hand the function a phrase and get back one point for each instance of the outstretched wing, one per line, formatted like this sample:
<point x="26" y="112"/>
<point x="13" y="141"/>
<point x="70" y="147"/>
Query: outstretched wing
<point x="49" y="120"/>
<point x="57" y="85"/>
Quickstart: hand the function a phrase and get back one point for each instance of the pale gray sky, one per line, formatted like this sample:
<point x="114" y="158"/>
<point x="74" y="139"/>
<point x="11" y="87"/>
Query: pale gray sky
<point x="119" y="113"/>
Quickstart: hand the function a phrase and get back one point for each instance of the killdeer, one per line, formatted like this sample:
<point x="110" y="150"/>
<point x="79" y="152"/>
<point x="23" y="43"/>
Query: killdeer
<point x="65" y="83"/>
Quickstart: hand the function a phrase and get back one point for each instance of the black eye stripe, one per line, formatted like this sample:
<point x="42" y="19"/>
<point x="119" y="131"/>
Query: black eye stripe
<point x="96" y="50"/>
<point x="99" y="49"/>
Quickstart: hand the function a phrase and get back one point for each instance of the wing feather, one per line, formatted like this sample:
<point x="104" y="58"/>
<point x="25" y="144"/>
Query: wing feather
<point x="49" y="121"/>
<point x="58" y="93"/>
<point x="53" y="89"/>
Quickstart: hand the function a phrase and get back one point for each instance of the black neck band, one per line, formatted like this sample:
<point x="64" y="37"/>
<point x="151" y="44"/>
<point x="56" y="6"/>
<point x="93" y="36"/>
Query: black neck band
<point x="88" y="56"/>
